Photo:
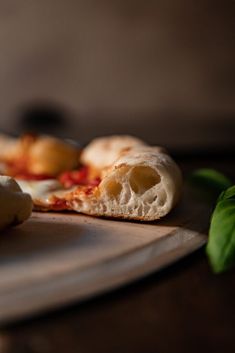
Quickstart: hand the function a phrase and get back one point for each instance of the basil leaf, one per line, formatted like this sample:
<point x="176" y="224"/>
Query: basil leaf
<point x="209" y="183"/>
<point x="228" y="194"/>
<point x="221" y="245"/>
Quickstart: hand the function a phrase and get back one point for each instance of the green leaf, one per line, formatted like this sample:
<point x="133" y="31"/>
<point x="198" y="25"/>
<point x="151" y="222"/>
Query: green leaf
<point x="228" y="194"/>
<point x="221" y="245"/>
<point x="209" y="183"/>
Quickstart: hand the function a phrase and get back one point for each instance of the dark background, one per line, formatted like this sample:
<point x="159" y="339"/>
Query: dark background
<point x="163" y="70"/>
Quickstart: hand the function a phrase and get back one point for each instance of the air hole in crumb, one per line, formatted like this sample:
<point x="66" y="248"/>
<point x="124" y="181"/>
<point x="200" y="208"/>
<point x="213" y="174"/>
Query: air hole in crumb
<point x="113" y="188"/>
<point x="143" y="178"/>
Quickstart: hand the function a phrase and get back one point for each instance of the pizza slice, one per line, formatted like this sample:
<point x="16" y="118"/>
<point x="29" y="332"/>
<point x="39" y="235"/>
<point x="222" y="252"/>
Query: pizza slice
<point x="119" y="177"/>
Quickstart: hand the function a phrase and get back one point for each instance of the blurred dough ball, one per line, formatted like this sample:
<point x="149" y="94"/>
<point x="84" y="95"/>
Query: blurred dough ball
<point x="51" y="156"/>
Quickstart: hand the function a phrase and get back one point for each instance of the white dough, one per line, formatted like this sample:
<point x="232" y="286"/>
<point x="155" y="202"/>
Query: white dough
<point x="15" y="205"/>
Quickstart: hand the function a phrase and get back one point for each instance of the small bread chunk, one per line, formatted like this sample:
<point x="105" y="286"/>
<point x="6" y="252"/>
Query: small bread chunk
<point x="143" y="184"/>
<point x="15" y="205"/>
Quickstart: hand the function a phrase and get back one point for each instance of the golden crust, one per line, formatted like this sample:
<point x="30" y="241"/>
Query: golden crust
<point x="102" y="152"/>
<point x="51" y="156"/>
<point x="38" y="155"/>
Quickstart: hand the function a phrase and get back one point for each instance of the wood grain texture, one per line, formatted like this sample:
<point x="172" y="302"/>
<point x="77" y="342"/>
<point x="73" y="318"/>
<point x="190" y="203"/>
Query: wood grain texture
<point x="54" y="259"/>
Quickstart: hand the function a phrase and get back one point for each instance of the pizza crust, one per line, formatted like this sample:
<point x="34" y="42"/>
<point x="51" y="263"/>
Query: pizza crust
<point x="38" y="155"/>
<point x="141" y="183"/>
<point x="102" y="152"/>
<point x="10" y="148"/>
<point x="51" y="156"/>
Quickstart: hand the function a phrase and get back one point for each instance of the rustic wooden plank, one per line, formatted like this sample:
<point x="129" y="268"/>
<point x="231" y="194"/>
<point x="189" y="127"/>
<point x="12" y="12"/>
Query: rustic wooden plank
<point x="56" y="258"/>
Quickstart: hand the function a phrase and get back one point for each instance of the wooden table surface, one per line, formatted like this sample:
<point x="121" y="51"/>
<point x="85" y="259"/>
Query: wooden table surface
<point x="184" y="308"/>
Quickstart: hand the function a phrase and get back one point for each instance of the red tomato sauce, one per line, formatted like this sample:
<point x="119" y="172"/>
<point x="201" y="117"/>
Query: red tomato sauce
<point x="67" y="179"/>
<point x="78" y="177"/>
<point x="59" y="204"/>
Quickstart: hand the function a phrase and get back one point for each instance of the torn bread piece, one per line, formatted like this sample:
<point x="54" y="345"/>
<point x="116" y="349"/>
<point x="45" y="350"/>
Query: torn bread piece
<point x="15" y="205"/>
<point x="143" y="184"/>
